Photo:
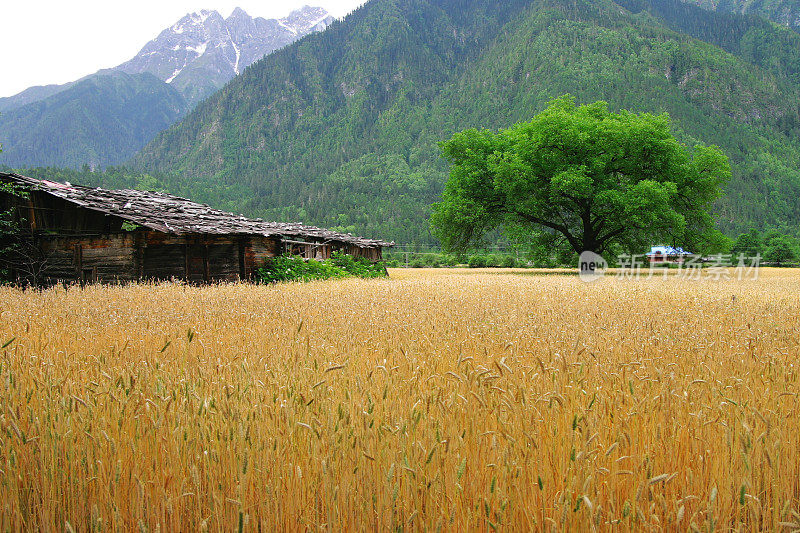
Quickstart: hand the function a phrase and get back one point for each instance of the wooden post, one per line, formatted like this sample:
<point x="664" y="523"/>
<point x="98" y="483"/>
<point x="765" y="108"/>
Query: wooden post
<point x="139" y="243"/>
<point x="186" y="248"/>
<point x="32" y="214"/>
<point x="240" y="245"/>
<point x="78" y="261"/>
<point x="205" y="258"/>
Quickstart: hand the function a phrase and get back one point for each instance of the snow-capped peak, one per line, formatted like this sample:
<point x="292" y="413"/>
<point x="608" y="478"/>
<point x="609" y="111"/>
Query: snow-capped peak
<point x="226" y="46"/>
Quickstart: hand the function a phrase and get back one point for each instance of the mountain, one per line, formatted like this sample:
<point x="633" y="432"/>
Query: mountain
<point x="30" y="95"/>
<point x="341" y="129"/>
<point x="785" y="12"/>
<point x="203" y="51"/>
<point x="100" y="120"/>
<point x="104" y="118"/>
<point x="750" y="37"/>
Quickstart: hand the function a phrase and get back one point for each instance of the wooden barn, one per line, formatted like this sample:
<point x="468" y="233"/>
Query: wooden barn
<point x="86" y="234"/>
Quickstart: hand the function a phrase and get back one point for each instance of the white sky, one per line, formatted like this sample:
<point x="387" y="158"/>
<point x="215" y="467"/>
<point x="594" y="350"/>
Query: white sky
<point x="58" y="41"/>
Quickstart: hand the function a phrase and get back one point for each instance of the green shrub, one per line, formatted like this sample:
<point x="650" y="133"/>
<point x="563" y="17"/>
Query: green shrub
<point x="477" y="261"/>
<point x="359" y="267"/>
<point x="432" y="260"/>
<point x="492" y="261"/>
<point x="295" y="268"/>
<point x="449" y="260"/>
<point x="394" y="258"/>
<point x="417" y="262"/>
<point x="781" y="251"/>
<point x="508" y="262"/>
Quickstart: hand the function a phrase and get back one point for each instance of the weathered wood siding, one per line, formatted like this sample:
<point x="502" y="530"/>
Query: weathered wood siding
<point x="373" y="254"/>
<point x="163" y="256"/>
<point x="106" y="258"/>
<point x="256" y="248"/>
<point x="151" y="255"/>
<point x="204" y="258"/>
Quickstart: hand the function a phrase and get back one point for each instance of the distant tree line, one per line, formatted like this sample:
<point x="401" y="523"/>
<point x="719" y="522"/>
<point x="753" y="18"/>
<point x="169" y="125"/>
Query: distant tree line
<point x="772" y="246"/>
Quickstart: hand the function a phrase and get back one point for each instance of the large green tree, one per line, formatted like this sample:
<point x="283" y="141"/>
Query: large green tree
<point x="601" y="180"/>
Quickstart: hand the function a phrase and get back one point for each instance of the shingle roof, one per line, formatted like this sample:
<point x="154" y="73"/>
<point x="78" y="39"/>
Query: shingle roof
<point x="172" y="214"/>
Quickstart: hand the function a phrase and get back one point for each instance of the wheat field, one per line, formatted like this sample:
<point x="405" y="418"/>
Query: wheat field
<point x="445" y="400"/>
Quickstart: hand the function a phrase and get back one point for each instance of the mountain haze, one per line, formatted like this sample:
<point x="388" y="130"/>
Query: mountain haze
<point x="341" y="129"/>
<point x="100" y="120"/>
<point x="32" y="94"/>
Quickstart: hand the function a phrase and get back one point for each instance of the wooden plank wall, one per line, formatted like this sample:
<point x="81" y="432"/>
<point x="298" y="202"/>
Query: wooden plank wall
<point x="223" y="259"/>
<point x="373" y="254"/>
<point x="256" y="248"/>
<point x="196" y="258"/>
<point x="151" y="255"/>
<point x="163" y="256"/>
<point x="104" y="257"/>
<point x="129" y="256"/>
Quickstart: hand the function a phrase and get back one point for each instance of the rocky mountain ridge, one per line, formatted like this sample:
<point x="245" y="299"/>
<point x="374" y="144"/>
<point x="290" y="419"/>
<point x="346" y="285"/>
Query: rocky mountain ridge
<point x="203" y="51"/>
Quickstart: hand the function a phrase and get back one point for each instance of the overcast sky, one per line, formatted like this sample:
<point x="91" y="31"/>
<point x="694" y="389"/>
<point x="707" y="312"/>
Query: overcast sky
<point x="60" y="41"/>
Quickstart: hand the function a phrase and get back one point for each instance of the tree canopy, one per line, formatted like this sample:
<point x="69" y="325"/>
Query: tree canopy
<point x="601" y="180"/>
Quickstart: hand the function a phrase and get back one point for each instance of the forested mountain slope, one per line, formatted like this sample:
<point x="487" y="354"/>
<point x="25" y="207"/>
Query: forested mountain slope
<point x="751" y="37"/>
<point x="786" y="12"/>
<point x="340" y="129"/>
<point x="31" y="94"/>
<point x="103" y="119"/>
